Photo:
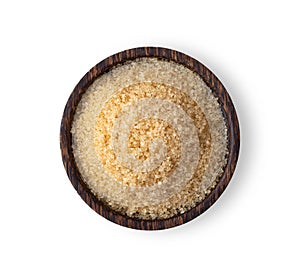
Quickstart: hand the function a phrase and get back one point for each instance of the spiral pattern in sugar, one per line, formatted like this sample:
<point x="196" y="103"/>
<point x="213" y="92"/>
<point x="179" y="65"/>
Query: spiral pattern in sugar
<point x="158" y="115"/>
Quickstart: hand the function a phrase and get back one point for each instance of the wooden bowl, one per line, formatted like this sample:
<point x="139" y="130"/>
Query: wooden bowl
<point x="218" y="90"/>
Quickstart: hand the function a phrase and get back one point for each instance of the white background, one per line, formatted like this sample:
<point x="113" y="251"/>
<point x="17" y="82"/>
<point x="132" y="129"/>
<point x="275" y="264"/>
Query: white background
<point x="46" y="47"/>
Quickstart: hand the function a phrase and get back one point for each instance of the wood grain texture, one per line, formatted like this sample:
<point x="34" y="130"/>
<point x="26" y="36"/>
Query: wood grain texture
<point x="66" y="139"/>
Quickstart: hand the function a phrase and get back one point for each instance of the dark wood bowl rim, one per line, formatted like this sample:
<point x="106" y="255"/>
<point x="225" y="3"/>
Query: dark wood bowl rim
<point x="66" y="139"/>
